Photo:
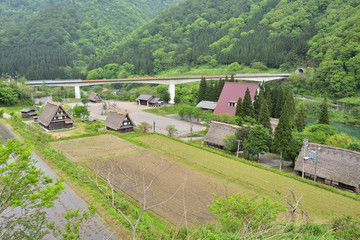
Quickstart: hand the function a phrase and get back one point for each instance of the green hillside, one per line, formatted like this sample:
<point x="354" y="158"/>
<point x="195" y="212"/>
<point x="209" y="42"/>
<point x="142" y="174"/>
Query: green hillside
<point x="58" y="39"/>
<point x="278" y="33"/>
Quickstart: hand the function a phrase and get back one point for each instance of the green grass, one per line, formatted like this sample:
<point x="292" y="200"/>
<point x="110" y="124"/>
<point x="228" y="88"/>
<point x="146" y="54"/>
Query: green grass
<point x="15" y="108"/>
<point x="248" y="178"/>
<point x="350" y="100"/>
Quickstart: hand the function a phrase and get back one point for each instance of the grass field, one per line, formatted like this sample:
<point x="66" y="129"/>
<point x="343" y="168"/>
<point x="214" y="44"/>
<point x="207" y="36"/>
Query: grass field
<point x="321" y="204"/>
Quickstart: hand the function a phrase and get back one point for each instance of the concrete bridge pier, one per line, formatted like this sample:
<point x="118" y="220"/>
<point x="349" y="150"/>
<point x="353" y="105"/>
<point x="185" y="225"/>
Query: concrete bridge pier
<point x="77" y="92"/>
<point x="172" y="93"/>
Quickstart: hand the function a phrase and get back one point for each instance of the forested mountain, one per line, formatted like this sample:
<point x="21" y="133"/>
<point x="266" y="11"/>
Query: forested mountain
<point x="278" y="33"/>
<point x="43" y="39"/>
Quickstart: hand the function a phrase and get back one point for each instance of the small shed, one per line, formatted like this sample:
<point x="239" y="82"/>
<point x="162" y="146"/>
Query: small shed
<point x="337" y="167"/>
<point x="149" y="100"/>
<point x="55" y="117"/>
<point x="119" y="121"/>
<point x="28" y="113"/>
<point x="207" y="105"/>
<point x="217" y="132"/>
<point x="94" y="97"/>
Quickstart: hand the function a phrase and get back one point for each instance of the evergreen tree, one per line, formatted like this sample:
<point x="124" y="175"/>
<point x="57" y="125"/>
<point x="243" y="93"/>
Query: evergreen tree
<point x="324" y="115"/>
<point x="267" y="92"/>
<point x="300" y="120"/>
<point x="264" y="117"/>
<point x="202" y="90"/>
<point x="291" y="103"/>
<point x="258" y="101"/>
<point x="226" y="79"/>
<point x="232" y="79"/>
<point x="238" y="108"/>
<point x="247" y="107"/>
<point x="283" y="138"/>
<point x="279" y="102"/>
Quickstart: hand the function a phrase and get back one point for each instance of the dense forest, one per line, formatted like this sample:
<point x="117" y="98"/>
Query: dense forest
<point x="97" y="39"/>
<point x="58" y="38"/>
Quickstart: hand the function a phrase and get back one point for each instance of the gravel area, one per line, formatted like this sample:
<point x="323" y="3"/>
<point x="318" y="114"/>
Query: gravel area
<point x="138" y="116"/>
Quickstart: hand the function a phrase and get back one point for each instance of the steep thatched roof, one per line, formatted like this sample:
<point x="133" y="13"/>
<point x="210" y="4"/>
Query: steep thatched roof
<point x="49" y="112"/>
<point x="218" y="131"/>
<point x="337" y="164"/>
<point x="93" y="96"/>
<point x="115" y="119"/>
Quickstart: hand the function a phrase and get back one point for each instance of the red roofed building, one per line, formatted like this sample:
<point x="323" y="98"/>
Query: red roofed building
<point x="230" y="95"/>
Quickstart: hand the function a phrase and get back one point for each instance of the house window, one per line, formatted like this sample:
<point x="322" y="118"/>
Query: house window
<point x="232" y="104"/>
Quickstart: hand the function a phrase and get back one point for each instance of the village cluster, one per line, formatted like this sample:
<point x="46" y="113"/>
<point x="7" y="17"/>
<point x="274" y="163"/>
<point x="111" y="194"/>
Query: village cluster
<point x="324" y="164"/>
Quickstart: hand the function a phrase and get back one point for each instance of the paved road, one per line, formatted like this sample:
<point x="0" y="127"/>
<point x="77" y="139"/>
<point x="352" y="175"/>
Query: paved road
<point x="138" y="116"/>
<point x="96" y="228"/>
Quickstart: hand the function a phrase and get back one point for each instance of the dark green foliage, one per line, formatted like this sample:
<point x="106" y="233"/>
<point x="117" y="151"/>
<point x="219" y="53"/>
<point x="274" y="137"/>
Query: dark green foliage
<point x="347" y="227"/>
<point x="300" y="120"/>
<point x="283" y="138"/>
<point x="238" y="111"/>
<point x="8" y="94"/>
<point x="264" y="117"/>
<point x="247" y="107"/>
<point x="258" y="101"/>
<point x="258" y="141"/>
<point x="324" y="115"/>
<point x="163" y="93"/>
<point x="202" y="90"/>
<point x="59" y="39"/>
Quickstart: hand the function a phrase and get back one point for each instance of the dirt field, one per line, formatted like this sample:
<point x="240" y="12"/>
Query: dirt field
<point x="113" y="157"/>
<point x="191" y="200"/>
<point x="94" y="148"/>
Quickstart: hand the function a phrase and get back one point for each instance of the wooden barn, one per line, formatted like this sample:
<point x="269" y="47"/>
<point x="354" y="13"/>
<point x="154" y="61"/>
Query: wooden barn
<point x="119" y="121"/>
<point x="55" y="117"/>
<point x="217" y="132"/>
<point x="149" y="100"/>
<point x="94" y="97"/>
<point x="28" y="113"/>
<point x="337" y="167"/>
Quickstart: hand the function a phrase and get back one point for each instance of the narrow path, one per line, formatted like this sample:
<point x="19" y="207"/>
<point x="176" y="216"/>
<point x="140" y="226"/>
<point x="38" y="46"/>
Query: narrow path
<point x="69" y="199"/>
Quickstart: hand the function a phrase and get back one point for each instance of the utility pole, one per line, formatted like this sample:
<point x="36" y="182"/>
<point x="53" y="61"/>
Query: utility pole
<point x="303" y="163"/>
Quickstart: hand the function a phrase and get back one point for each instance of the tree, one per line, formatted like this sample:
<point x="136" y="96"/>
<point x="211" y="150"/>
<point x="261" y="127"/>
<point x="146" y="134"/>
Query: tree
<point x="238" y="108"/>
<point x="283" y="138"/>
<point x="104" y="108"/>
<point x="247" y="107"/>
<point x="24" y="189"/>
<point x="324" y="115"/>
<point x="163" y="92"/>
<point x="264" y="117"/>
<point x="202" y="90"/>
<point x="172" y="131"/>
<point x="144" y="126"/>
<point x="80" y="112"/>
<point x="234" y="68"/>
<point x="230" y="143"/>
<point x="258" y="101"/>
<point x="300" y="120"/>
<point x="84" y="101"/>
<point x="258" y="141"/>
<point x="241" y="213"/>
<point x="8" y="95"/>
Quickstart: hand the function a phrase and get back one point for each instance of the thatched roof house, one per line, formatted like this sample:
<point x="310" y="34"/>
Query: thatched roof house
<point x="230" y="95"/>
<point x="94" y="97"/>
<point x="337" y="167"/>
<point x="217" y="132"/>
<point x="207" y="105"/>
<point x="119" y="121"/>
<point x="54" y="117"/>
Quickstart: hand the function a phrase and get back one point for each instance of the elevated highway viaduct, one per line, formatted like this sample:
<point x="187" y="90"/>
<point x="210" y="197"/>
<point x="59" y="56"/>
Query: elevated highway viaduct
<point x="170" y="81"/>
